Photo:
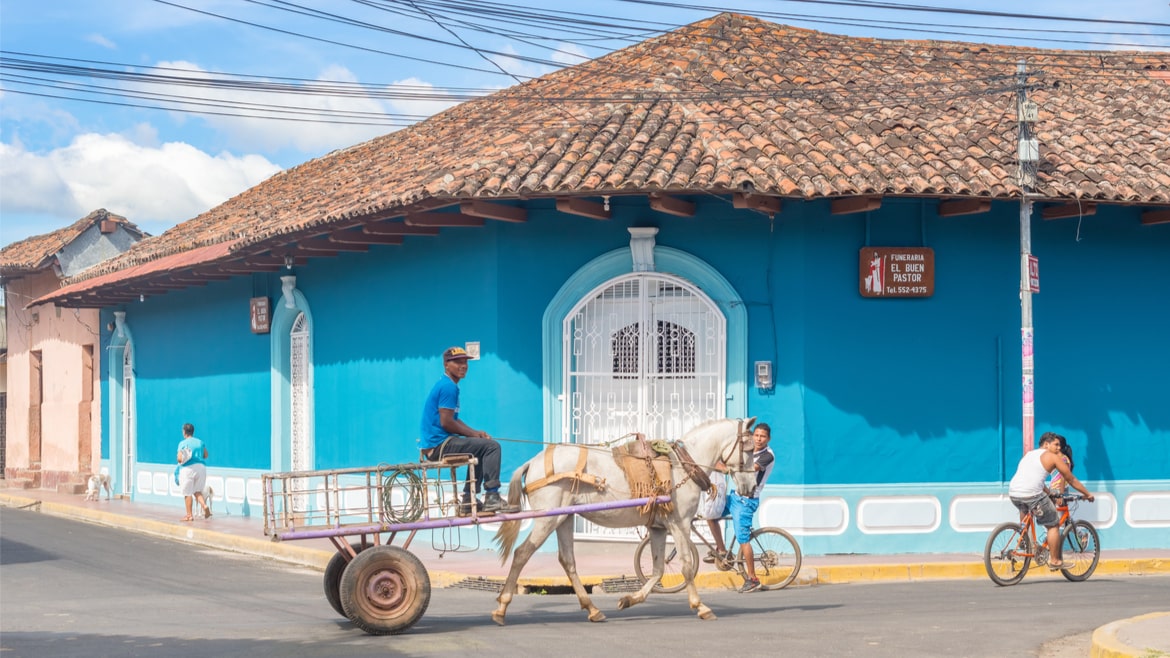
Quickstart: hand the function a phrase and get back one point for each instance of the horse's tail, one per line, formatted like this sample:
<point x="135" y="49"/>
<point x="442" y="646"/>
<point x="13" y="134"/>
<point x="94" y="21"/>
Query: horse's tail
<point x="510" y="530"/>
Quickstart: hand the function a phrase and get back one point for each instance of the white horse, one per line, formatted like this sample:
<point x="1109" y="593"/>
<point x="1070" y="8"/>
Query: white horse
<point x="727" y="440"/>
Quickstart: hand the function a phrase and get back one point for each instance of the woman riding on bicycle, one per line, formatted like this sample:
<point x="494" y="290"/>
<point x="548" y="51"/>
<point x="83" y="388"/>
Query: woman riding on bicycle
<point x="1027" y="490"/>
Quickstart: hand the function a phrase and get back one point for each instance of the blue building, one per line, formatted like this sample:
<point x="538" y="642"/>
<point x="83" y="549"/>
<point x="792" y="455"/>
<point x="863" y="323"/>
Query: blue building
<point x="733" y="219"/>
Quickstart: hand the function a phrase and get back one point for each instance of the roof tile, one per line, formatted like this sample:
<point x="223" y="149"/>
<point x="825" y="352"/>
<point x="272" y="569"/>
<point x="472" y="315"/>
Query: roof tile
<point x="732" y="99"/>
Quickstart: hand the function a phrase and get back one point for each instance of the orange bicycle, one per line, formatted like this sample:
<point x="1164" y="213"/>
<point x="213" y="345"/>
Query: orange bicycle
<point x="1012" y="547"/>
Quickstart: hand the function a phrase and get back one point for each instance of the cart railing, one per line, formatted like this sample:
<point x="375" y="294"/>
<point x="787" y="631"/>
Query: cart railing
<point x="388" y="498"/>
<point x="383" y="495"/>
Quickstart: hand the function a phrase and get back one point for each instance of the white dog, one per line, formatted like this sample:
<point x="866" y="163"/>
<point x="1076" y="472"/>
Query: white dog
<point x="208" y="492"/>
<point x="97" y="482"/>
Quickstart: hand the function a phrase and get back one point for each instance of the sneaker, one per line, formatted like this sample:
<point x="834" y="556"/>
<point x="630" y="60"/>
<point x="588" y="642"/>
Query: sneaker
<point x="493" y="503"/>
<point x="749" y="586"/>
<point x="714" y="556"/>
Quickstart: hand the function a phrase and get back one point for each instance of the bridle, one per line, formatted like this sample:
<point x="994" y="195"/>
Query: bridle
<point x="741" y="436"/>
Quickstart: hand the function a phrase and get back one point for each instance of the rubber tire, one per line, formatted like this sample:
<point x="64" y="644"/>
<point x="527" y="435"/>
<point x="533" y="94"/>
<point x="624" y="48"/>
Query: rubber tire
<point x="671" y="563"/>
<point x="385" y="590"/>
<point x="1084" y="567"/>
<point x="1003" y="537"/>
<point x="775" y="544"/>
<point x="333" y="571"/>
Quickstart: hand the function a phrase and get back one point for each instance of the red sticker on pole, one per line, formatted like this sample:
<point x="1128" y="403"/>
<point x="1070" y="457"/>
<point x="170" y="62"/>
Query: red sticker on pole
<point x="1033" y="273"/>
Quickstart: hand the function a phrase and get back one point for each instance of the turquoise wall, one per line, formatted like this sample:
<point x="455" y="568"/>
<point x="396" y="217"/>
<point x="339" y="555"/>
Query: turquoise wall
<point x="868" y="391"/>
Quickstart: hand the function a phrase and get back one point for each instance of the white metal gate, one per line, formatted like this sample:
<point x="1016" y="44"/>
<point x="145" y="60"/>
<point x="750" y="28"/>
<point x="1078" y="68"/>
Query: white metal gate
<point x="299" y="401"/>
<point x="645" y="352"/>
<point x="128" y="439"/>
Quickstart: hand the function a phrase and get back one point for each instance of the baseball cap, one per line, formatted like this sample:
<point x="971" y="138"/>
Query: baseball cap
<point x="453" y="353"/>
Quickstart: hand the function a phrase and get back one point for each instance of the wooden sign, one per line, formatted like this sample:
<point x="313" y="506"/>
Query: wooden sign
<point x="896" y="272"/>
<point x="260" y="315"/>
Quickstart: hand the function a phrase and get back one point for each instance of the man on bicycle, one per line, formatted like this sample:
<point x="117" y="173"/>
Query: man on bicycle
<point x="742" y="505"/>
<point x="1028" y="492"/>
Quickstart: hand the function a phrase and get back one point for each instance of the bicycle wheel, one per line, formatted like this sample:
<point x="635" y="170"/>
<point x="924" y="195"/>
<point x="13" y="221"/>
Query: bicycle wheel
<point x="1008" y="554"/>
<point x="672" y="579"/>
<point x="776" y="556"/>
<point x="1080" y="550"/>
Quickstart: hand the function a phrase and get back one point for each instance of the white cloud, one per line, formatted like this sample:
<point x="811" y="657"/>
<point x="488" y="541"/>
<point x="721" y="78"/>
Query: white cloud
<point x="517" y="67"/>
<point x="569" y="54"/>
<point x="422" y="108"/>
<point x="261" y="128"/>
<point x="100" y="40"/>
<point x="153" y="186"/>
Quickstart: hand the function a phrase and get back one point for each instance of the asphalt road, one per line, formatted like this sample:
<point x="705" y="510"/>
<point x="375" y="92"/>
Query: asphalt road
<point x="73" y="589"/>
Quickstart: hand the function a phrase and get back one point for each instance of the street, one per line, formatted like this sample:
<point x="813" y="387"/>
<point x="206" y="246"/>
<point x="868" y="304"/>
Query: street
<point x="75" y="589"/>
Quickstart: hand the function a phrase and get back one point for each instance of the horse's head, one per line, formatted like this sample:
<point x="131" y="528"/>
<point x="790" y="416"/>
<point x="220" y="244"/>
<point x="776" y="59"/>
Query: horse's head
<point x="728" y="440"/>
<point x="738" y="455"/>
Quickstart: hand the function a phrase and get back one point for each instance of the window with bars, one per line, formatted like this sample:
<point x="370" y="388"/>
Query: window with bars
<point x="676" y="350"/>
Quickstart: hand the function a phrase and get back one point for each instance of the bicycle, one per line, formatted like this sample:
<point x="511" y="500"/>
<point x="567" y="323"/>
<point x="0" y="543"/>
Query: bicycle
<point x="1012" y="547"/>
<point x="775" y="553"/>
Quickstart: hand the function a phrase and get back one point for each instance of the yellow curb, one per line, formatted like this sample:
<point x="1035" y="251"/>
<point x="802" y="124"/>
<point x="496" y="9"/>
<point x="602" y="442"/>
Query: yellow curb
<point x="318" y="559"/>
<point x="1107" y="645"/>
<point x="309" y="557"/>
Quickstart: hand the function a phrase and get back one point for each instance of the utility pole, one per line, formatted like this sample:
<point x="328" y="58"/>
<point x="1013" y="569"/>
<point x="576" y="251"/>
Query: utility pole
<point x="1028" y="155"/>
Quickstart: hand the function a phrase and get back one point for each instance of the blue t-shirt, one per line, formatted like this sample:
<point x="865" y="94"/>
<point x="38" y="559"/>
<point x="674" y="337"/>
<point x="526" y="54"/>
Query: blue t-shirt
<point x="195" y="447"/>
<point x="445" y="395"/>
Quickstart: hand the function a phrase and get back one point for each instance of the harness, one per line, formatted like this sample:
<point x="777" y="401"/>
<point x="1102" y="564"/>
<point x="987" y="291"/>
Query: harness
<point x="578" y="475"/>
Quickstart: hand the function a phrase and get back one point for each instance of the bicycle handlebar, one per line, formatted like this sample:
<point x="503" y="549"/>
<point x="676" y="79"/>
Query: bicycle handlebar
<point x="1076" y="496"/>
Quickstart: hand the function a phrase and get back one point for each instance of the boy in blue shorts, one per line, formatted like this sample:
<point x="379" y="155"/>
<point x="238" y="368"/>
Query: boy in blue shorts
<point x="742" y="508"/>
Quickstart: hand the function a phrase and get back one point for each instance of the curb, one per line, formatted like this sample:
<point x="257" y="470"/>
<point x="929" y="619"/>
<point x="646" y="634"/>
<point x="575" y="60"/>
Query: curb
<point x="318" y="559"/>
<point x="1106" y="643"/>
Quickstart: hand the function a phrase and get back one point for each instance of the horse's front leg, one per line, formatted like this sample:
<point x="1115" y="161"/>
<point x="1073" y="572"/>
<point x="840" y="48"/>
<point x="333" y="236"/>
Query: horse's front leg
<point x="657" y="555"/>
<point x="569" y="563"/>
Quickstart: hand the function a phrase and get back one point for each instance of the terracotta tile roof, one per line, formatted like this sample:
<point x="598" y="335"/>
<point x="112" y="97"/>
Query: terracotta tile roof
<point x="734" y="101"/>
<point x="38" y="252"/>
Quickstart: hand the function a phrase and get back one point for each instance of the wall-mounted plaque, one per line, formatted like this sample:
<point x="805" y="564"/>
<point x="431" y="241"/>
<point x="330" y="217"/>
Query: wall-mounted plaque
<point x="897" y="272"/>
<point x="260" y="315"/>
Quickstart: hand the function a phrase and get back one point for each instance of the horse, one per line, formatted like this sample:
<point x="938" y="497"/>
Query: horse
<point x="600" y="479"/>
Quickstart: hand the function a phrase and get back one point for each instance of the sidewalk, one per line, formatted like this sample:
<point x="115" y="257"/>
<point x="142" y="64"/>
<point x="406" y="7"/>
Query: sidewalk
<point x="601" y="564"/>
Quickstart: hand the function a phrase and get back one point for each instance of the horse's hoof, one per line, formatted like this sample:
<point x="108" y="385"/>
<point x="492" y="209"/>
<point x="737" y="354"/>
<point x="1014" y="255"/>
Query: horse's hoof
<point x="625" y="602"/>
<point x="706" y="614"/>
<point x="498" y="618"/>
<point x="597" y="616"/>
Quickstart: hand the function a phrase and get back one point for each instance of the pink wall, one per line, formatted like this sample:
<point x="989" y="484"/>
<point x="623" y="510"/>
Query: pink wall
<point x="61" y="336"/>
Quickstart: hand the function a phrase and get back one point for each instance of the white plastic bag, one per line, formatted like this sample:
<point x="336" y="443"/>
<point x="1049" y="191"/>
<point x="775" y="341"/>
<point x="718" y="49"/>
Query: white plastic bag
<point x="711" y="506"/>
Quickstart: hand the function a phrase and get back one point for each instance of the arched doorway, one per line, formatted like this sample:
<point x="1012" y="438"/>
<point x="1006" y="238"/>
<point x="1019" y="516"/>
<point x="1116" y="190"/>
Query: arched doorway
<point x="644" y="352"/>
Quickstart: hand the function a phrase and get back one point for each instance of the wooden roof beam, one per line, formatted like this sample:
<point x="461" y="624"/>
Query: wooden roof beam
<point x="234" y="269"/>
<point x="1151" y="217"/>
<point x="496" y="211"/>
<point x="360" y="237"/>
<point x="443" y="219"/>
<point x="758" y="202"/>
<point x="317" y="245"/>
<point x="573" y="205"/>
<point x="855" y="204"/>
<point x="672" y="205"/>
<point x="1066" y="210"/>
<point x="399" y="228"/>
<point x="958" y="207"/>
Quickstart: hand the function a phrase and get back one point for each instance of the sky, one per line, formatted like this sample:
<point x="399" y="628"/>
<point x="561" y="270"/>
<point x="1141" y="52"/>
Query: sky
<point x="158" y="110"/>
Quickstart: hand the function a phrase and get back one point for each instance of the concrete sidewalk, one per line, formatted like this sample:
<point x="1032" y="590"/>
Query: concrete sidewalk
<point x="605" y="565"/>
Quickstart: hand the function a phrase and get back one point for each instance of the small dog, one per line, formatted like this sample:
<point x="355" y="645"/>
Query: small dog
<point x="208" y="493"/>
<point x="97" y="482"/>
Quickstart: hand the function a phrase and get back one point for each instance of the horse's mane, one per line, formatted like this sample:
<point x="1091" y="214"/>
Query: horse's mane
<point x="706" y="423"/>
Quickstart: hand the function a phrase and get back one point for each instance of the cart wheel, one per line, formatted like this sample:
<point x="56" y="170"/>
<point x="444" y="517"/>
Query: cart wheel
<point x="385" y="590"/>
<point x="333" y="571"/>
